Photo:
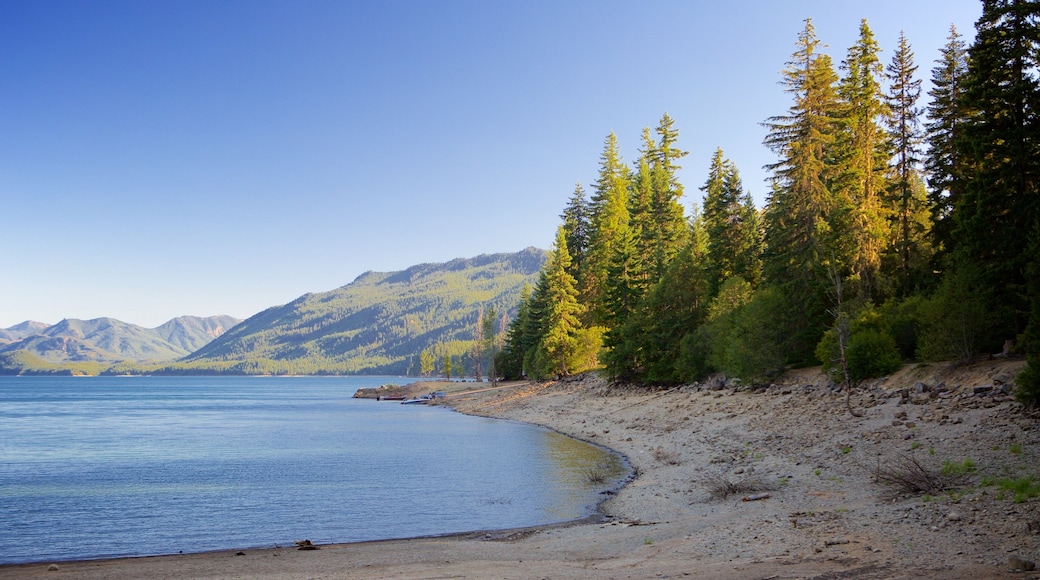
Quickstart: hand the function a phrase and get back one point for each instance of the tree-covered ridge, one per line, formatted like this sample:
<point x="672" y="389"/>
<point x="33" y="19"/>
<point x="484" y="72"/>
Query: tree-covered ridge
<point x="871" y="248"/>
<point x="377" y="324"/>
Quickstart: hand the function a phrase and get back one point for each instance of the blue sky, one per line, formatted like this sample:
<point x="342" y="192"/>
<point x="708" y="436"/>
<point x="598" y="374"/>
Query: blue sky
<point x="167" y="158"/>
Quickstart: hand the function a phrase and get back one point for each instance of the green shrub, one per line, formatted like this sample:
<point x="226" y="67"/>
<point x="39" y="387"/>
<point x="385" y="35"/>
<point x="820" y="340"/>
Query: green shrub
<point x="903" y="321"/>
<point x="870" y="350"/>
<point x="959" y="321"/>
<point x="1022" y="488"/>
<point x="870" y="354"/>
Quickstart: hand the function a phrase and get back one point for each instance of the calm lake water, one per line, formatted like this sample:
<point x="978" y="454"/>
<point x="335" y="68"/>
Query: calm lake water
<point x="128" y="466"/>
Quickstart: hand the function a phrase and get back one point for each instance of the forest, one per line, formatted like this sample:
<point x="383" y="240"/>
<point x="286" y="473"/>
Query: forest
<point x="899" y="227"/>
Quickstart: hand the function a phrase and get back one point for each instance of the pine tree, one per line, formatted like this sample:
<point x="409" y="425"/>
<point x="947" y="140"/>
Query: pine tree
<point x="608" y="218"/>
<point x="861" y="155"/>
<point x="798" y="214"/>
<point x="905" y="129"/>
<point x="674" y="308"/>
<point x="559" y="342"/>
<point x="576" y="227"/>
<point x="998" y="207"/>
<point x="642" y="238"/>
<point x="670" y="227"/>
<point x="517" y="342"/>
<point x="946" y="117"/>
<point x="734" y="239"/>
<point x="797" y="210"/>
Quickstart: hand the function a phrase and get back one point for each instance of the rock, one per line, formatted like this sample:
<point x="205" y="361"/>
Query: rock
<point x="1001" y="378"/>
<point x="1016" y="563"/>
<point x="901" y="415"/>
<point x="921" y="388"/>
<point x="920" y="399"/>
<point x="954" y="516"/>
<point x="53" y="568"/>
<point x="981" y="390"/>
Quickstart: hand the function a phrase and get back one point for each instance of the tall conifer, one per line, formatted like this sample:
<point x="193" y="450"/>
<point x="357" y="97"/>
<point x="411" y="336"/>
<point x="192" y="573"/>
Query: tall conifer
<point x="862" y="155"/>
<point x="998" y="208"/>
<point x="946" y="117"/>
<point x="608" y="218"/>
<point x="798" y="232"/>
<point x="734" y="239"/>
<point x="559" y="344"/>
<point x="904" y="126"/>
<point x="576" y="227"/>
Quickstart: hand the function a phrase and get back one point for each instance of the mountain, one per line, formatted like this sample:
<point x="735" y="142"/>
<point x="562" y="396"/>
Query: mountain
<point x="191" y="333"/>
<point x="107" y="340"/>
<point x="20" y="331"/>
<point x="378" y="323"/>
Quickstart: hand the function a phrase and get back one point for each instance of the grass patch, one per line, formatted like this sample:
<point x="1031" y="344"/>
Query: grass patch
<point x="597" y="474"/>
<point x="719" y="486"/>
<point x="665" y="456"/>
<point x="954" y="469"/>
<point x="1021" y="488"/>
<point x="1015" y="449"/>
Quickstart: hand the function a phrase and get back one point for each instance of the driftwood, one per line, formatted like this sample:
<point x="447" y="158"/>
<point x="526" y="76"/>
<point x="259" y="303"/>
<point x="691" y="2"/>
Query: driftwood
<point x="756" y="497"/>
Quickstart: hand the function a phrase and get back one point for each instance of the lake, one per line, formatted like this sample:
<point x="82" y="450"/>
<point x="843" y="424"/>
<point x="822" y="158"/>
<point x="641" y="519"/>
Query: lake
<point x="97" y="467"/>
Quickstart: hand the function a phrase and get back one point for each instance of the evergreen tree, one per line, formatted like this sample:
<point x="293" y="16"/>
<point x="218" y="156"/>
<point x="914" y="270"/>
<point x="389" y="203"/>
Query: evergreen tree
<point x="517" y="342"/>
<point x="798" y="233"/>
<point x="559" y="344"/>
<point x="905" y="198"/>
<point x="861" y="155"/>
<point x="998" y="207"/>
<point x="946" y="117"/>
<point x="642" y="238"/>
<point x="670" y="231"/>
<point x="608" y="218"/>
<point x="673" y="310"/>
<point x="490" y="346"/>
<point x="576" y="227"/>
<point x="734" y="240"/>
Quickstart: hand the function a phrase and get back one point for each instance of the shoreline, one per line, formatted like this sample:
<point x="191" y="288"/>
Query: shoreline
<point x="824" y="517"/>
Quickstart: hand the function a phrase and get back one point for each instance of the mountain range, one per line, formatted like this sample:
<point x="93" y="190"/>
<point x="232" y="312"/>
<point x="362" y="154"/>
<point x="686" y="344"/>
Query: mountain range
<point x="111" y="340"/>
<point x="377" y="324"/>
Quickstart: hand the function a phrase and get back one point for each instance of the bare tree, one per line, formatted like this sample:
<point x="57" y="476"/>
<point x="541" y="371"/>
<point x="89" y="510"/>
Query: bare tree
<point x="842" y="329"/>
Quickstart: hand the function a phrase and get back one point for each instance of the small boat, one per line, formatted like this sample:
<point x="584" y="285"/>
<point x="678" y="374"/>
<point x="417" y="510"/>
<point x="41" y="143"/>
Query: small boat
<point x="390" y="398"/>
<point x="420" y="400"/>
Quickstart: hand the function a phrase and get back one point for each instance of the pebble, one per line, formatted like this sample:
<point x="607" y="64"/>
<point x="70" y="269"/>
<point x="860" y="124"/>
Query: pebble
<point x="954" y="516"/>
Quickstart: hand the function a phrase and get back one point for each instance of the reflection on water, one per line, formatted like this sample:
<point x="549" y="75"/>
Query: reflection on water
<point x="579" y="466"/>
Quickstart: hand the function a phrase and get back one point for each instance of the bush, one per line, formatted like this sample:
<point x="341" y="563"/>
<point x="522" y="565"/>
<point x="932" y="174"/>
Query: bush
<point x="903" y="321"/>
<point x="870" y="350"/>
<point x="958" y="322"/>
<point x="870" y="354"/>
<point x="755" y="344"/>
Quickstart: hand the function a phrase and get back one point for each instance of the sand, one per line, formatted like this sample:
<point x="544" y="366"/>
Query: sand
<point x="824" y="517"/>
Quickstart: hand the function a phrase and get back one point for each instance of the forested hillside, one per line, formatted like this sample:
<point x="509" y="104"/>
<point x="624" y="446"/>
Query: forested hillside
<point x="896" y="228"/>
<point x="379" y="323"/>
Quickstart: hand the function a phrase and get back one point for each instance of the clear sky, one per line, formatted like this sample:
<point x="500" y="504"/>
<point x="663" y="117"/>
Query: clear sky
<point x="204" y="157"/>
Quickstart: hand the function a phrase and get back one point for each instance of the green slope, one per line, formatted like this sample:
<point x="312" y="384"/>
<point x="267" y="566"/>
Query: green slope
<point x="379" y="323"/>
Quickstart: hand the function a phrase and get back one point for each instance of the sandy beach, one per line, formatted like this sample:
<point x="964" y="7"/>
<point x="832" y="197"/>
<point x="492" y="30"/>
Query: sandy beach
<point x="793" y="449"/>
